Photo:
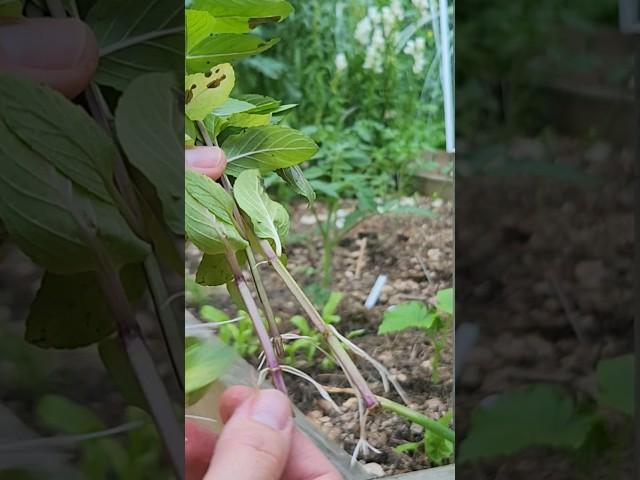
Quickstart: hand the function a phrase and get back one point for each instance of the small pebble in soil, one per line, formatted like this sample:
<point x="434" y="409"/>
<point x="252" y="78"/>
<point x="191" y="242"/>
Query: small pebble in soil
<point x="374" y="469"/>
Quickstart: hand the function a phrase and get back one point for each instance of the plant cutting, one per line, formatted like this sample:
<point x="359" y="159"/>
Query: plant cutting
<point x="234" y="223"/>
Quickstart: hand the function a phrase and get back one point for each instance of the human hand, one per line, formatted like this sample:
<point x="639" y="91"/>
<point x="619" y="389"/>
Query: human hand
<point x="259" y="442"/>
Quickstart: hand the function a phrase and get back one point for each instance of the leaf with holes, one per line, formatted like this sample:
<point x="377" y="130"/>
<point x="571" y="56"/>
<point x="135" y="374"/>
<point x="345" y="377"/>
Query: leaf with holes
<point x="270" y="220"/>
<point x="222" y="48"/>
<point x="152" y="147"/>
<point x="137" y="38"/>
<point x="267" y="148"/>
<point x="205" y="92"/>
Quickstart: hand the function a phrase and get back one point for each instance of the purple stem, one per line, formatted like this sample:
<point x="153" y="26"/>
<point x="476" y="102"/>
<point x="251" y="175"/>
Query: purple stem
<point x="254" y="314"/>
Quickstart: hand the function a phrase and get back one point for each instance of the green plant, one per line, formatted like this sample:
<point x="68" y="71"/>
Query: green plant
<point x="436" y="447"/>
<point x="235" y="223"/>
<point x="415" y="314"/>
<point x="553" y="418"/>
<point x="311" y="338"/>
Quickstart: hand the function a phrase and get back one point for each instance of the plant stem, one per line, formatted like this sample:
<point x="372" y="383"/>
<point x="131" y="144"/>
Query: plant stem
<point x="255" y="273"/>
<point x="334" y="343"/>
<point x="266" y="305"/>
<point x="252" y="309"/>
<point x="155" y="281"/>
<point x="254" y="314"/>
<point x="416" y="417"/>
<point x="406" y="412"/>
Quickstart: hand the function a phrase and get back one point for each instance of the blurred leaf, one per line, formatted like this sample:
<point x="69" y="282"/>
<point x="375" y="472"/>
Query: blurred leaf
<point x="71" y="311"/>
<point x="154" y="147"/>
<point x="615" y="379"/>
<point x="205" y="362"/>
<point x="136" y="38"/>
<point x="551" y="420"/>
<point x="61" y="415"/>
<point x="117" y="363"/>
<point x="212" y="314"/>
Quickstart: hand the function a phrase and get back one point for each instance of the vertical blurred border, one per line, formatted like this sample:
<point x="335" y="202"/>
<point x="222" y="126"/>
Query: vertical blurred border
<point x="92" y="239"/>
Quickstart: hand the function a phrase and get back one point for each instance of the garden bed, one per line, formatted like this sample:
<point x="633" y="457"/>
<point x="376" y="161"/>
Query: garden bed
<point x="416" y="253"/>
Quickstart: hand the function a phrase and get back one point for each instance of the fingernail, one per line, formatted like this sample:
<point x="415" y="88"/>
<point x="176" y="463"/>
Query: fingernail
<point x="204" y="157"/>
<point x="46" y="44"/>
<point x="271" y="408"/>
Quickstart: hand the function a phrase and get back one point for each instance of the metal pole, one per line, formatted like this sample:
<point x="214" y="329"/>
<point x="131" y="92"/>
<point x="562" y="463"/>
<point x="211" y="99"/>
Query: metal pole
<point x="447" y="84"/>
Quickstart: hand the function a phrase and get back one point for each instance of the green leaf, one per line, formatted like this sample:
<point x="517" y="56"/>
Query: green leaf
<point x="444" y="300"/>
<point x="270" y="219"/>
<point x="301" y="324"/>
<point x="294" y="177"/>
<point x="209" y="313"/>
<point x="47" y="216"/>
<point x="207" y="232"/>
<point x="205" y="362"/>
<point x="154" y="147"/>
<point x="248" y="120"/>
<point x="412" y="314"/>
<point x="616" y="383"/>
<point x="262" y="104"/>
<point x="60" y="132"/>
<point x="214" y="270"/>
<point x="551" y="420"/>
<point x="136" y="38"/>
<point x="71" y="311"/>
<point x="407" y="447"/>
<point x="232" y="106"/>
<point x="210" y="194"/>
<point x="223" y="48"/>
<point x="201" y="24"/>
<point x="116" y="361"/>
<point x="437" y="448"/>
<point x="330" y="307"/>
<point x="208" y="91"/>
<point x="267" y="148"/>
<point x="243" y="8"/>
<point x="61" y="415"/>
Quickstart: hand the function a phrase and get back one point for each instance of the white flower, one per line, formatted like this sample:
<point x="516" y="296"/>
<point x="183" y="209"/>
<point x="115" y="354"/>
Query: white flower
<point x="421" y="44"/>
<point x="363" y="31"/>
<point x="422" y="6"/>
<point x="341" y="62"/>
<point x="370" y="58"/>
<point x="377" y="39"/>
<point x="397" y="10"/>
<point x="410" y="47"/>
<point x="418" y="64"/>
<point x="388" y="20"/>
<point x="374" y="15"/>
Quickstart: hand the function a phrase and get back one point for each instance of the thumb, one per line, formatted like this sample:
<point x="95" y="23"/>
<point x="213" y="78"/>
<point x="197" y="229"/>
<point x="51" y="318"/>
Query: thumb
<point x="61" y="53"/>
<point x="209" y="161"/>
<point x="255" y="442"/>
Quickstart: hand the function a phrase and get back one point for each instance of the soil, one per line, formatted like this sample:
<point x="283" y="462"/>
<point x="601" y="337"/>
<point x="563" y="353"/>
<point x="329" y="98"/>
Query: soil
<point x="549" y="287"/>
<point x="416" y="253"/>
